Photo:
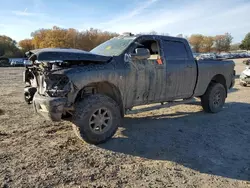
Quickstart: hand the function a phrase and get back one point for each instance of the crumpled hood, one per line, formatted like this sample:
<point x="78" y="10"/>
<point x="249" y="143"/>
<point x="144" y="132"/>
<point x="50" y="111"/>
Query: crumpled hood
<point x="64" y="54"/>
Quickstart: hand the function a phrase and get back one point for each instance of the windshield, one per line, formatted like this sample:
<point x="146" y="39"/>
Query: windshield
<point x="113" y="47"/>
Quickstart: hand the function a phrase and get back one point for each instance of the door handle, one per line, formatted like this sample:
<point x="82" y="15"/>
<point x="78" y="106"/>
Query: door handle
<point x="189" y="66"/>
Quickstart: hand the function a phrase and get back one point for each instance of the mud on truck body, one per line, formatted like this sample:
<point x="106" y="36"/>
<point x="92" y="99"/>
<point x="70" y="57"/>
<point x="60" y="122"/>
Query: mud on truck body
<point x="96" y="88"/>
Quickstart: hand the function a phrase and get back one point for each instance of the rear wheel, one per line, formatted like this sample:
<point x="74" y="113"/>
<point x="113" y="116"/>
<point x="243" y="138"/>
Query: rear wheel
<point x="96" y="119"/>
<point x="214" y="98"/>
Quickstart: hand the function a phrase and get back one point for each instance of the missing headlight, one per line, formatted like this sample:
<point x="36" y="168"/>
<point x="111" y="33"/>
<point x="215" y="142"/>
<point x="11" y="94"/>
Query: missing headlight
<point x="58" y="85"/>
<point x="243" y="76"/>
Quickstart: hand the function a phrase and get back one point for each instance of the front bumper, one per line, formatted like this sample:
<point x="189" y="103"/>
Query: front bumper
<point x="244" y="79"/>
<point x="51" y="108"/>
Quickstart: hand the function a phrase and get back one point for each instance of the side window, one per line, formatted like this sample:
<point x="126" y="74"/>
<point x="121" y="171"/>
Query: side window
<point x="174" y="49"/>
<point x="154" y="49"/>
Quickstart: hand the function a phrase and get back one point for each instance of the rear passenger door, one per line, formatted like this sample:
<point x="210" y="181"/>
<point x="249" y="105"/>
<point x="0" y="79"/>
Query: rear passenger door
<point x="181" y="70"/>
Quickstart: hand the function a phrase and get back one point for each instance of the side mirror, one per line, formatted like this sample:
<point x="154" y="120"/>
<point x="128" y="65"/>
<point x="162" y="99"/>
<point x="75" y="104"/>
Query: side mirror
<point x="141" y="53"/>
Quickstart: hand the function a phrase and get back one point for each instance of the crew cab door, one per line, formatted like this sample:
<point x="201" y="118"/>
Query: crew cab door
<point x="147" y="75"/>
<point x="181" y="69"/>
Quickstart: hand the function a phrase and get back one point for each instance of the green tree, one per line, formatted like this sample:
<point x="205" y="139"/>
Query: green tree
<point x="245" y="44"/>
<point x="69" y="38"/>
<point x="8" y="47"/>
<point x="207" y="44"/>
<point x="223" y="42"/>
<point x="4" y="62"/>
<point x="234" y="47"/>
<point x="26" y="45"/>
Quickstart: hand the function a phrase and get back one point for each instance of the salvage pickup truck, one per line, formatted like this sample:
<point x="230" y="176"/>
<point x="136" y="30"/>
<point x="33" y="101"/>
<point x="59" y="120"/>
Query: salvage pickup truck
<point x="97" y="88"/>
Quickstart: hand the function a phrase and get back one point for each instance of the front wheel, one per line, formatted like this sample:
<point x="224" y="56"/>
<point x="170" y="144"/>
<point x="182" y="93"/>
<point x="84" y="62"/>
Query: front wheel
<point x="96" y="119"/>
<point x="214" y="98"/>
<point x="243" y="84"/>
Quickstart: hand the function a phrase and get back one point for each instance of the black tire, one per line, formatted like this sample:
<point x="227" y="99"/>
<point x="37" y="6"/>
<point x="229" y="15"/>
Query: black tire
<point x="243" y="84"/>
<point x="66" y="116"/>
<point x="214" y="98"/>
<point x="86" y="109"/>
<point x="29" y="93"/>
<point x="27" y="98"/>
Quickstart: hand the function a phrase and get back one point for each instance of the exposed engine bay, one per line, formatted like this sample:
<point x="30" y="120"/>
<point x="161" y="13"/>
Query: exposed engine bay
<point x="42" y="74"/>
<point x="41" y="78"/>
<point x="46" y="79"/>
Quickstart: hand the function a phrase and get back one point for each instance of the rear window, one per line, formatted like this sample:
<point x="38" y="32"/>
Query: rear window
<point x="175" y="49"/>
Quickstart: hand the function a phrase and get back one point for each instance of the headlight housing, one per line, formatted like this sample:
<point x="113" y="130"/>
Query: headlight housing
<point x="57" y="85"/>
<point x="243" y="76"/>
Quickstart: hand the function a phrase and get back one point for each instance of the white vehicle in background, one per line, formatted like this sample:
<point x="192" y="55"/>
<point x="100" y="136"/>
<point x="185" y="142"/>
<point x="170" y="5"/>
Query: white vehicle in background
<point x="27" y="63"/>
<point x="213" y="56"/>
<point x="196" y="55"/>
<point x="225" y="55"/>
<point x="245" y="75"/>
<point x="230" y="55"/>
<point x="207" y="56"/>
<point x="16" y="63"/>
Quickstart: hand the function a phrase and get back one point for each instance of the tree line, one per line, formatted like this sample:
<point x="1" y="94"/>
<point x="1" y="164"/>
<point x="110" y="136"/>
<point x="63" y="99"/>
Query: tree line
<point x="8" y="47"/>
<point x="54" y="38"/>
<point x="218" y="43"/>
<point x="88" y="39"/>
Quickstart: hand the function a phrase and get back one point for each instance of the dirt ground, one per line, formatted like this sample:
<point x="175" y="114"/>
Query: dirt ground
<point x="179" y="146"/>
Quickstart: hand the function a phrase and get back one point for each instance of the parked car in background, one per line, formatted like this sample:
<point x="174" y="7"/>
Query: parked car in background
<point x="196" y="55"/>
<point x="241" y="55"/>
<point x="26" y="63"/>
<point x="236" y="55"/>
<point x="219" y="56"/>
<point x="207" y="56"/>
<point x="245" y="75"/>
<point x="225" y="55"/>
<point x="17" y="62"/>
<point x="213" y="56"/>
<point x="246" y="54"/>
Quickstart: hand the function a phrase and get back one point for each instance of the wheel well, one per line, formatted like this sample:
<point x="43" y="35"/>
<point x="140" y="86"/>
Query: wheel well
<point x="105" y="88"/>
<point x="219" y="79"/>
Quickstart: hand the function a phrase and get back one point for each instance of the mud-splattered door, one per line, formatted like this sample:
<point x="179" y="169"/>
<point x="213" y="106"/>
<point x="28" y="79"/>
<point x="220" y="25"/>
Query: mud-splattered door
<point x="147" y="76"/>
<point x="181" y="70"/>
<point x="144" y="73"/>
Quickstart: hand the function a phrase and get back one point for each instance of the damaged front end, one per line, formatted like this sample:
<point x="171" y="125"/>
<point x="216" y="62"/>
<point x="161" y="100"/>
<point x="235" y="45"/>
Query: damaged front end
<point x="46" y="89"/>
<point x="48" y="86"/>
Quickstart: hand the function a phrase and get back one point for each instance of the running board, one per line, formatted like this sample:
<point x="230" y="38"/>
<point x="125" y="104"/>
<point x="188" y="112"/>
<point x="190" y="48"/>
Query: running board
<point x="156" y="107"/>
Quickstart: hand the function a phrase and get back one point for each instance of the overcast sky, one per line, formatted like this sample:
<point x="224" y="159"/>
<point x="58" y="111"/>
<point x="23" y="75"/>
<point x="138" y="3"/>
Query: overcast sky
<point x="18" y="18"/>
